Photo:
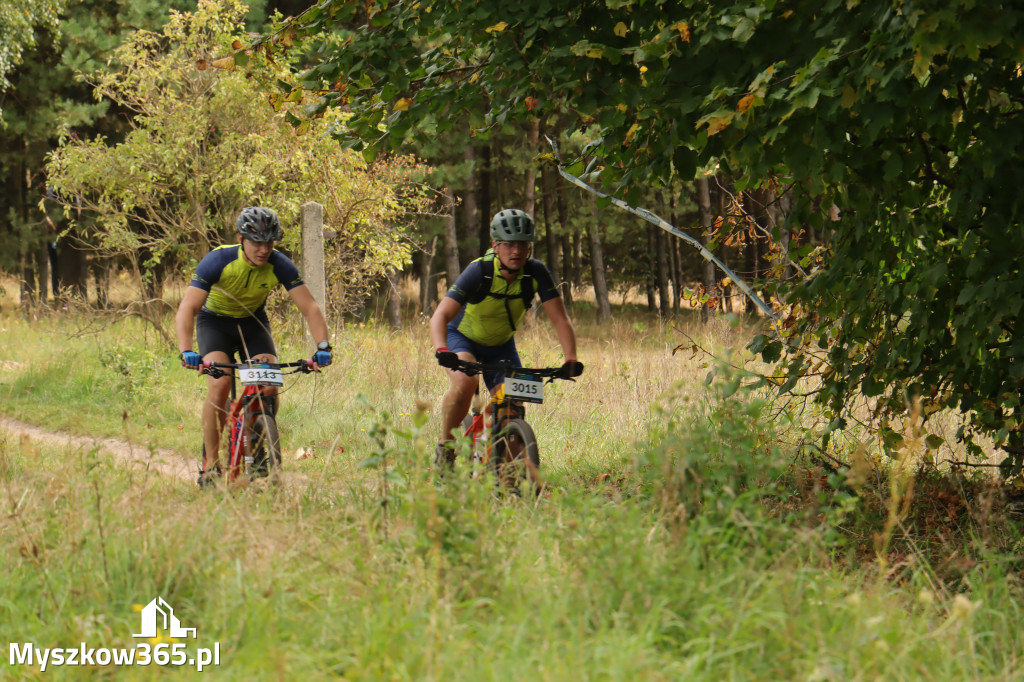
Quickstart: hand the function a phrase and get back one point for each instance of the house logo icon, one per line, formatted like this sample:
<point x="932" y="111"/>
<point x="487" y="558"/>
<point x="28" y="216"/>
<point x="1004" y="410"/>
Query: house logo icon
<point x="159" y="610"/>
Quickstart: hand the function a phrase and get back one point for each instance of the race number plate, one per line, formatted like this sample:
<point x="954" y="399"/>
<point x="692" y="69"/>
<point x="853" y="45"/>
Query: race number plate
<point x="527" y="390"/>
<point x="260" y="376"/>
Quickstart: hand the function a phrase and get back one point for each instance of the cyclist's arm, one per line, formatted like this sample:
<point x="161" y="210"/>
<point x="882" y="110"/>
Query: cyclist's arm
<point x="307" y="305"/>
<point x="446" y="311"/>
<point x="555" y="310"/>
<point x="185" y="320"/>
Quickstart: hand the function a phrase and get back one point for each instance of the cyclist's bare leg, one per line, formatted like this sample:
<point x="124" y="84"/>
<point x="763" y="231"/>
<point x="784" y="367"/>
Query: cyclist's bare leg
<point x="215" y="411"/>
<point x="456" y="403"/>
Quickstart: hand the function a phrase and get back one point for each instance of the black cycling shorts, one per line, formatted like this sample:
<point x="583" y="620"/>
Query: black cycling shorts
<point x="241" y="338"/>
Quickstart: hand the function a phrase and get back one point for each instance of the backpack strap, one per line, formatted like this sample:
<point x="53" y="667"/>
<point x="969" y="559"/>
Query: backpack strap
<point x="527" y="288"/>
<point x="485" y="282"/>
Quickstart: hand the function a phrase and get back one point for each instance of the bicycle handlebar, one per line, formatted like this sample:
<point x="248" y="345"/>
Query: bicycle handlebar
<point x="506" y="369"/>
<point x="216" y="369"/>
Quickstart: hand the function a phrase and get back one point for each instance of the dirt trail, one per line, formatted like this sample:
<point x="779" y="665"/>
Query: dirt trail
<point x="161" y="460"/>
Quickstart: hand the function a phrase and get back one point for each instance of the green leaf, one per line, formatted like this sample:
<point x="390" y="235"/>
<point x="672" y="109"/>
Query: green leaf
<point x="744" y="30"/>
<point x="757" y="344"/>
<point x="772" y="352"/>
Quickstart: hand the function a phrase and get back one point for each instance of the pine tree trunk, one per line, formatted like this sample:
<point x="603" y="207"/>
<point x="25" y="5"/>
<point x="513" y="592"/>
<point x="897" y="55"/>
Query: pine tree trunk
<point x="394" y="306"/>
<point x="451" y="240"/>
<point x="577" y="259"/>
<point x="428" y="288"/>
<point x="674" y="260"/>
<point x="530" y="191"/>
<point x="649" y="281"/>
<point x="704" y="204"/>
<point x="568" y="264"/>
<point x="566" y="285"/>
<point x="470" y="212"/>
<point x="550" y="241"/>
<point x="780" y="211"/>
<point x="485" y="198"/>
<point x="661" y="242"/>
<point x="604" y="308"/>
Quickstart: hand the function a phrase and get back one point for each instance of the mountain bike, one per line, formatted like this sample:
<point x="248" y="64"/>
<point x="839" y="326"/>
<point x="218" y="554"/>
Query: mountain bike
<point x="502" y="440"/>
<point x="254" y="445"/>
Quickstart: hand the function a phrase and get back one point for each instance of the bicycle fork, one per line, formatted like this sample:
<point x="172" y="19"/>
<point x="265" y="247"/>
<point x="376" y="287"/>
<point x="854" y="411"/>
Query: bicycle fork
<point x="251" y="403"/>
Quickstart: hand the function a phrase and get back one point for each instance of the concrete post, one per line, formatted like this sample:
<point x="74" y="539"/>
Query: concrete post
<point x="313" y="252"/>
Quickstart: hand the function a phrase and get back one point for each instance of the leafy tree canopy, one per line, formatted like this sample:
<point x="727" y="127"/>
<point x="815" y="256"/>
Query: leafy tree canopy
<point x="204" y="142"/>
<point x="20" y="19"/>
<point x="905" y="114"/>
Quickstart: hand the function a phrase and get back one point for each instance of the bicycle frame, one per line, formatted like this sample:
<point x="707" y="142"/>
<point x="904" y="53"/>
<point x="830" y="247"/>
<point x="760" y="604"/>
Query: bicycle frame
<point x="498" y="410"/>
<point x="245" y="409"/>
<point x="503" y="418"/>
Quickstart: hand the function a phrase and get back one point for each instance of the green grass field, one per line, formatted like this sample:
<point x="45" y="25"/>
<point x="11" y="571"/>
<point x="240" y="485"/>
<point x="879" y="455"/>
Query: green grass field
<point x="677" y="538"/>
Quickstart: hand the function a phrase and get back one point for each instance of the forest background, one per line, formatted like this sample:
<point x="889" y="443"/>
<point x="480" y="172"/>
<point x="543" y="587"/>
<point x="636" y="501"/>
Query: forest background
<point x="853" y="162"/>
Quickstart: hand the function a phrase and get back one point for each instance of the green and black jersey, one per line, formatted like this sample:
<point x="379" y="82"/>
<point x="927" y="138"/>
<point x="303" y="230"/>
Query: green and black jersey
<point x="490" y="318"/>
<point x="237" y="288"/>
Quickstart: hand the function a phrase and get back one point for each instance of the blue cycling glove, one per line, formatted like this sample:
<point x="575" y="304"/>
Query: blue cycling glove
<point x="322" y="358"/>
<point x="190" y="359"/>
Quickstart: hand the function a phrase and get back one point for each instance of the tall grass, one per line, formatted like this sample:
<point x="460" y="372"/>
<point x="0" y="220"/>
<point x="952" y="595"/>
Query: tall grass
<point x="663" y="548"/>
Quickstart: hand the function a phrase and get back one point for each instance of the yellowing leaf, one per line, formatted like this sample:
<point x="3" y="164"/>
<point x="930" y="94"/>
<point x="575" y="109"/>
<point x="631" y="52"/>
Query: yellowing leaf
<point x="276" y="101"/>
<point x="294" y="96"/>
<point x="223" y="63"/>
<point x="922" y="67"/>
<point x="849" y="97"/>
<point x="684" y="31"/>
<point x="745" y="103"/>
<point x="595" y="52"/>
<point x="403" y="104"/>
<point x="726" y="282"/>
<point x="621" y="30"/>
<point x="498" y="27"/>
<point x="621" y="107"/>
<point x="630" y="133"/>
<point x="643" y="69"/>
<point x="717" y="124"/>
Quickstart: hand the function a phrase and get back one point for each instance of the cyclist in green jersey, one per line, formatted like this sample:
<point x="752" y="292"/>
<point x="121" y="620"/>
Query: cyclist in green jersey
<point x="478" y="317"/>
<point x="225" y="304"/>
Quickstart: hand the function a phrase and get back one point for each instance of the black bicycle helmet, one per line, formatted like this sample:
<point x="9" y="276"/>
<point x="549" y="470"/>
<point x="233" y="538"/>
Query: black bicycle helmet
<point x="513" y="225"/>
<point x="259" y="224"/>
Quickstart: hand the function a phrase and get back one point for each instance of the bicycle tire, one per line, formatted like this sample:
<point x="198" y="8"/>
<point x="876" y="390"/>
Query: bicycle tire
<point x="265" y="443"/>
<point x="516" y="458"/>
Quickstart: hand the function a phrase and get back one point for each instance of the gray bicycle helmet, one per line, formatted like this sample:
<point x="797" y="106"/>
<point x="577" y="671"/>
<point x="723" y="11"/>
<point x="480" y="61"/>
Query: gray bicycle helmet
<point x="513" y="225"/>
<point x="259" y="224"/>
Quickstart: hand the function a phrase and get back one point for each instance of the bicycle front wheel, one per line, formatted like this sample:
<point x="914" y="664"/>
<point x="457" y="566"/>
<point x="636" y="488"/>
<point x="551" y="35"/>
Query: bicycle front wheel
<point x="516" y="460"/>
<point x="266" y="447"/>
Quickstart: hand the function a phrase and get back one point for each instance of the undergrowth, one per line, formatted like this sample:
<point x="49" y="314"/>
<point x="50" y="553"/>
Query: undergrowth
<point x="691" y="541"/>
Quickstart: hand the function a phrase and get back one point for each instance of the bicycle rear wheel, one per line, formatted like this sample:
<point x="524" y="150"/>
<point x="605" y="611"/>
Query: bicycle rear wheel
<point x="265" y="446"/>
<point x="516" y="459"/>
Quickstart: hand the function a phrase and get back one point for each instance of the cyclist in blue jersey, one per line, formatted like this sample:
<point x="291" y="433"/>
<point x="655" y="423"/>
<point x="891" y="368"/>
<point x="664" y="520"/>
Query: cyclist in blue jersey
<point x="225" y="305"/>
<point x="478" y="317"/>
